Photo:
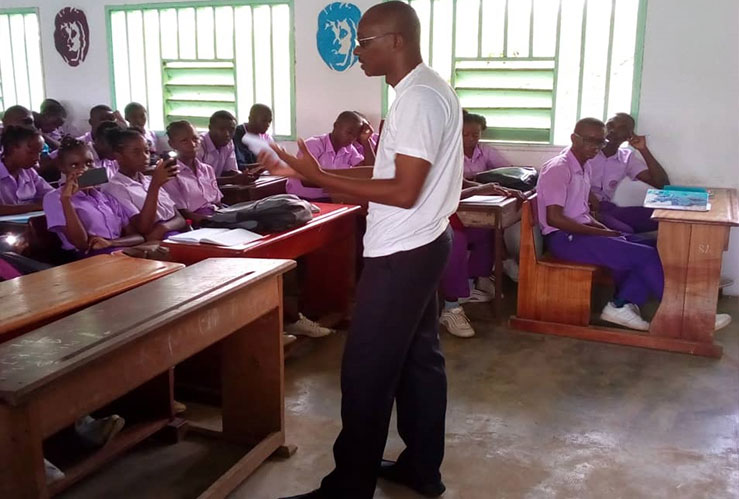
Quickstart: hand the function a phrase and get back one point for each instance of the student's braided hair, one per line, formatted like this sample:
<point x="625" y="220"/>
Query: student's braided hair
<point x="69" y="144"/>
<point x="119" y="137"/>
<point x="15" y="135"/>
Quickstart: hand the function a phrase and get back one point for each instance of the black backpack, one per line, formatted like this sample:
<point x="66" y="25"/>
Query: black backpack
<point x="272" y="214"/>
<point x="521" y="178"/>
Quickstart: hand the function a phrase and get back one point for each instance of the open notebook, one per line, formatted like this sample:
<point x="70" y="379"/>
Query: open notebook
<point x="220" y="237"/>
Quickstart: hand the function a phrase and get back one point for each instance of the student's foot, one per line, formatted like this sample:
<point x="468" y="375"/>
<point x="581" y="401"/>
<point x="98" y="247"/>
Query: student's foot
<point x="53" y="474"/>
<point x="288" y="339"/>
<point x="487" y="285"/>
<point x="722" y="320"/>
<point x="389" y="471"/>
<point x="477" y="296"/>
<point x="456" y="322"/>
<point x="510" y="267"/>
<point x="98" y="432"/>
<point x="626" y="316"/>
<point x="179" y="407"/>
<point x="316" y="494"/>
<point x="306" y="327"/>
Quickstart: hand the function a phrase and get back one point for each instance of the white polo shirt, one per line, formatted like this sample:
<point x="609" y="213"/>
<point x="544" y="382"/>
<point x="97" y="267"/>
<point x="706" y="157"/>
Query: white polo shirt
<point x="424" y="121"/>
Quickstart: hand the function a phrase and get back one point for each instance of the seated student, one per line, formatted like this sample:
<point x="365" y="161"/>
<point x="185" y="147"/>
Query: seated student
<point x="194" y="189"/>
<point x="572" y="234"/>
<point x="477" y="157"/>
<point x="99" y="114"/>
<point x="86" y="219"/>
<point x="141" y="194"/>
<point x="136" y="116"/>
<point x="49" y="121"/>
<point x="260" y="118"/>
<point x="102" y="149"/>
<point x="466" y="275"/>
<point x="334" y="150"/>
<point x="17" y="116"/>
<point x="21" y="188"/>
<point x="612" y="165"/>
<point x="217" y="150"/>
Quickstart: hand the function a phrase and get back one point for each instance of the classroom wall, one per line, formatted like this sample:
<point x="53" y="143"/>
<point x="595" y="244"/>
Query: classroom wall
<point x="688" y="104"/>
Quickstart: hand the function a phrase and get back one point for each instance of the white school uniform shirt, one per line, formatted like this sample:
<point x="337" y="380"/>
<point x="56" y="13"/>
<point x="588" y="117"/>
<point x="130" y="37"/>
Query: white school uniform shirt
<point x="424" y="121"/>
<point x="131" y="193"/>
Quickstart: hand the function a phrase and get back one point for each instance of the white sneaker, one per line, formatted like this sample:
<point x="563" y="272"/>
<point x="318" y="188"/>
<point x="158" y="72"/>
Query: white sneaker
<point x="510" y="267"/>
<point x="53" y="474"/>
<point x="627" y="316"/>
<point x="722" y="320"/>
<point x="456" y="322"/>
<point x="98" y="432"/>
<point x="287" y="339"/>
<point x="477" y="296"/>
<point x="306" y="327"/>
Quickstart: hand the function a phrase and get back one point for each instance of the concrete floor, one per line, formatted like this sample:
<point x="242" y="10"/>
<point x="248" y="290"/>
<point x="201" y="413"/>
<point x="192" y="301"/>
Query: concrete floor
<point x="529" y="416"/>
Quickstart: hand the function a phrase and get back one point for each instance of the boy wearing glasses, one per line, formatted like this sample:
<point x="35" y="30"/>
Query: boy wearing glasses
<point x="612" y="165"/>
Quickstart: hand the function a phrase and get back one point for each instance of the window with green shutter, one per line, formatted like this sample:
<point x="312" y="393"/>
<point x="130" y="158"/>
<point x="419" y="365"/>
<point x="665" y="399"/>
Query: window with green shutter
<point x="21" y="74"/>
<point x="534" y="67"/>
<point x="188" y="60"/>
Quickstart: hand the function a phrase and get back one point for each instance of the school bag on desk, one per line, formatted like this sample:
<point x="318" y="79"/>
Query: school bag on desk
<point x="276" y="213"/>
<point x="521" y="178"/>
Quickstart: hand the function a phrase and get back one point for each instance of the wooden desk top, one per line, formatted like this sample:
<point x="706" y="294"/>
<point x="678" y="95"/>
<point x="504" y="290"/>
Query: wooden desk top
<point x="47" y="353"/>
<point x="724" y="210"/>
<point x="42" y="296"/>
<point x="328" y="212"/>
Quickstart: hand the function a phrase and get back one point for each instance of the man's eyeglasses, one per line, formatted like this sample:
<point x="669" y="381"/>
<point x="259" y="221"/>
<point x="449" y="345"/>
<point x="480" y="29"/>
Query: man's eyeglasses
<point x="599" y="143"/>
<point x="363" y="42"/>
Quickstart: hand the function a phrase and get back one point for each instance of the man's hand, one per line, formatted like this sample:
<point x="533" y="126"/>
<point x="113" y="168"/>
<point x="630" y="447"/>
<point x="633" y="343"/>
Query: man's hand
<point x="98" y="243"/>
<point x="638" y="142"/>
<point x="305" y="166"/>
<point x="164" y="172"/>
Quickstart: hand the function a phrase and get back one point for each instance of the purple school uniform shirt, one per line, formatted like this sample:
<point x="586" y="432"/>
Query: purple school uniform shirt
<point x="28" y="187"/>
<point x="131" y="193"/>
<point x="195" y="191"/>
<point x="101" y="214"/>
<point x="483" y="158"/>
<point x="321" y="148"/>
<point x="563" y="182"/>
<point x="221" y="160"/>
<point x="609" y="172"/>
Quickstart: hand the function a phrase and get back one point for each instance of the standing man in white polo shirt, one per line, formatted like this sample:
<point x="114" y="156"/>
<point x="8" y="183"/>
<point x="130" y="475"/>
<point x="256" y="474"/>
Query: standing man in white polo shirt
<point x="392" y="351"/>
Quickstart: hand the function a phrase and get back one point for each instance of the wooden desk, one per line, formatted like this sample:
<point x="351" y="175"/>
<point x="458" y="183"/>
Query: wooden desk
<point x="36" y="299"/>
<point x="78" y="364"/>
<point x="498" y="217"/>
<point x="327" y="242"/>
<point x="262" y="187"/>
<point x="691" y="246"/>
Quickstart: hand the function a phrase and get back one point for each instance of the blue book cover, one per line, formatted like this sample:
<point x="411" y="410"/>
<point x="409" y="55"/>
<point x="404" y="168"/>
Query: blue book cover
<point x="672" y="199"/>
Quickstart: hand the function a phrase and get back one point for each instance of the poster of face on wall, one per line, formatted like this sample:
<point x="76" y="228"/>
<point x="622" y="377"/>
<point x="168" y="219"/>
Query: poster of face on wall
<point x="71" y="35"/>
<point x="337" y="35"/>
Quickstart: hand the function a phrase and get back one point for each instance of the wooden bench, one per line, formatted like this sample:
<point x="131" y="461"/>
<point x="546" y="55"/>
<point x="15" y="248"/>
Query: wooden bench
<point x="36" y="299"/>
<point x="127" y="345"/>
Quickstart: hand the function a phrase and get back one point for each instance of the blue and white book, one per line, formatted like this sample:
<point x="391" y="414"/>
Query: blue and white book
<point x="674" y="199"/>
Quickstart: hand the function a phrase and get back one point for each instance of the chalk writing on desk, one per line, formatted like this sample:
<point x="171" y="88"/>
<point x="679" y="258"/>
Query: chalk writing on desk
<point x="337" y="35"/>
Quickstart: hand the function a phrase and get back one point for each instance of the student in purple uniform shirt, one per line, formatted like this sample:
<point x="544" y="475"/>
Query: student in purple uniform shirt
<point x="49" y="120"/>
<point x="612" y="165"/>
<point x="21" y="188"/>
<point x="217" y="150"/>
<point x="136" y="116"/>
<point x="102" y="150"/>
<point x="99" y="114"/>
<point x="142" y="194"/>
<point x="571" y="233"/>
<point x="374" y="138"/>
<point x="194" y="189"/>
<point x="86" y="219"/>
<point x="477" y="157"/>
<point x="335" y="150"/>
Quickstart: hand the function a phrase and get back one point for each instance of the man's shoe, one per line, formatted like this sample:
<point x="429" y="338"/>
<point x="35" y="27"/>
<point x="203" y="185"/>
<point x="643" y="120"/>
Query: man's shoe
<point x="389" y="471"/>
<point x="316" y="494"/>
<point x="626" y="316"/>
<point x="456" y="322"/>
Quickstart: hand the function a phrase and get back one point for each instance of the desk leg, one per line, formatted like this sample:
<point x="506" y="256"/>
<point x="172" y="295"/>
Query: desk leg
<point x="498" y="298"/>
<point x="330" y="274"/>
<point x="21" y="455"/>
<point x="691" y="259"/>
